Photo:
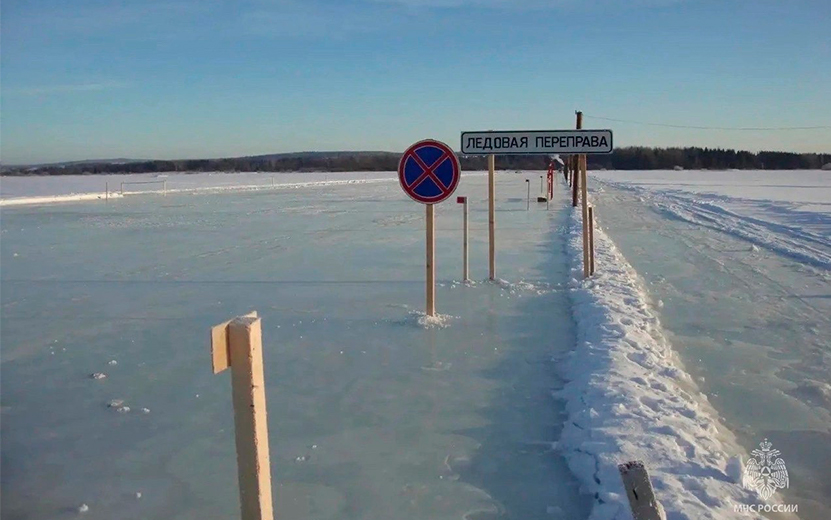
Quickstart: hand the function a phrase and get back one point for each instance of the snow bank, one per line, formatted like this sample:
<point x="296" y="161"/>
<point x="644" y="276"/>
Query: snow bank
<point x="77" y="197"/>
<point x="627" y="398"/>
<point x="72" y="188"/>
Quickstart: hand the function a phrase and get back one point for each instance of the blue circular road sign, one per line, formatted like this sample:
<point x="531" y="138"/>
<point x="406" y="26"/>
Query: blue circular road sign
<point x="429" y="171"/>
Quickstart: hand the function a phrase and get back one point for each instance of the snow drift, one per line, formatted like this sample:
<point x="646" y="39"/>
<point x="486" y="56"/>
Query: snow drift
<point x="628" y="398"/>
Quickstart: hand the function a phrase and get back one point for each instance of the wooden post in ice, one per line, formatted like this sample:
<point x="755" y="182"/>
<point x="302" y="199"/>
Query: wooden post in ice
<point x="465" y="263"/>
<point x="591" y="240"/>
<point x="584" y="191"/>
<point x="238" y="344"/>
<point x="575" y="176"/>
<point x="542" y="185"/>
<point x="528" y="197"/>
<point x="491" y="218"/>
<point x="431" y="260"/>
<point x="639" y="491"/>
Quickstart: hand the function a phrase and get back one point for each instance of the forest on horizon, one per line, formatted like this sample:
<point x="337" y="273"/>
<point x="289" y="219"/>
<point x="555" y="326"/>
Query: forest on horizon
<point x="626" y="158"/>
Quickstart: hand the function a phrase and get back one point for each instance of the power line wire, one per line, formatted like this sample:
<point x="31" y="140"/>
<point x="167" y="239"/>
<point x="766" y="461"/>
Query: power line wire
<point x="743" y="128"/>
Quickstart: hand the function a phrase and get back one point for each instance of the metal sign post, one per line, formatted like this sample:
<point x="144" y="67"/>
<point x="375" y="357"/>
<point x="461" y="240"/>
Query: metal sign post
<point x="429" y="173"/>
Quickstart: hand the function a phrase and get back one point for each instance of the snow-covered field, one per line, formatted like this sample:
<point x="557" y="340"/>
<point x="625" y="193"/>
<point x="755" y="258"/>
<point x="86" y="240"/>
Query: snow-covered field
<point x="736" y="266"/>
<point x="785" y="211"/>
<point x="705" y="330"/>
<point x="15" y="191"/>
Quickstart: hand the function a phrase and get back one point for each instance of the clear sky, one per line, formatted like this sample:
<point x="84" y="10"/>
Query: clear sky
<point x="209" y="78"/>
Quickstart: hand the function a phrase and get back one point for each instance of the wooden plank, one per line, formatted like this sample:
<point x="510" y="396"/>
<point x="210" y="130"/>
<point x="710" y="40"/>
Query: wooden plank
<point x="250" y="418"/>
<point x="220" y="353"/>
<point x="642" y="499"/>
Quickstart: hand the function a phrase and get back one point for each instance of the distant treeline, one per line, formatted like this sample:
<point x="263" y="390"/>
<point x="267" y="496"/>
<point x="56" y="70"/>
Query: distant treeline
<point x="630" y="158"/>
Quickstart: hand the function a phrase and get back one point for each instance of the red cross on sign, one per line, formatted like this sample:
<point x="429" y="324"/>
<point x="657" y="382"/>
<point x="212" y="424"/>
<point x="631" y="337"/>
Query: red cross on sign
<point x="429" y="171"/>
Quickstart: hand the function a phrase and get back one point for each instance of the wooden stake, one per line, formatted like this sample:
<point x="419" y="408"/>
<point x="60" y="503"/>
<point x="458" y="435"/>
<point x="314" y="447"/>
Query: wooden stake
<point x="431" y="260"/>
<point x="584" y="191"/>
<point x="591" y="240"/>
<point x="465" y="264"/>
<point x="238" y="344"/>
<point x="639" y="490"/>
<point x="542" y="185"/>
<point x="576" y="175"/>
<point x="491" y="218"/>
<point x="528" y="197"/>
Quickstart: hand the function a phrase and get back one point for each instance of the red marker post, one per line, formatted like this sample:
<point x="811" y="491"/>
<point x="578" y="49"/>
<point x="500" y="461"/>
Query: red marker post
<point x="465" y="273"/>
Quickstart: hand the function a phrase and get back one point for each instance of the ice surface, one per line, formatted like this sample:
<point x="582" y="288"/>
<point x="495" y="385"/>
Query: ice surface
<point x="371" y="414"/>
<point x="377" y="411"/>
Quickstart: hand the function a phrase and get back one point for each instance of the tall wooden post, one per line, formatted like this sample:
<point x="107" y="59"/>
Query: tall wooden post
<point x="528" y="197"/>
<point x="431" y="260"/>
<point x="491" y="218"/>
<point x="238" y="344"/>
<point x="576" y="175"/>
<point x="465" y="262"/>
<point x="584" y="191"/>
<point x="591" y="240"/>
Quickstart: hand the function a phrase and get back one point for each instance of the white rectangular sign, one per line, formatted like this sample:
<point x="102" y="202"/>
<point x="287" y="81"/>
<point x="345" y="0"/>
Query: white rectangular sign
<point x="533" y="142"/>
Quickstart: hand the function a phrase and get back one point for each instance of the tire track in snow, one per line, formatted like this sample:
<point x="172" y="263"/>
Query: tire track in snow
<point x="798" y="244"/>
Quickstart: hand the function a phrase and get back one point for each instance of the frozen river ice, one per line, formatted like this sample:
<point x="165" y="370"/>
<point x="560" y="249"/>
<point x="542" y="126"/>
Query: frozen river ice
<point x="374" y="415"/>
<point x="371" y="415"/>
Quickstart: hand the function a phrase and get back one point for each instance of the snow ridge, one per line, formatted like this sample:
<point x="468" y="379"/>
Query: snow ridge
<point x="628" y="399"/>
<point x="707" y="210"/>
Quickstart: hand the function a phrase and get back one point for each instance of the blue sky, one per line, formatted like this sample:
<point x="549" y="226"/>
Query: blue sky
<point x="208" y="78"/>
